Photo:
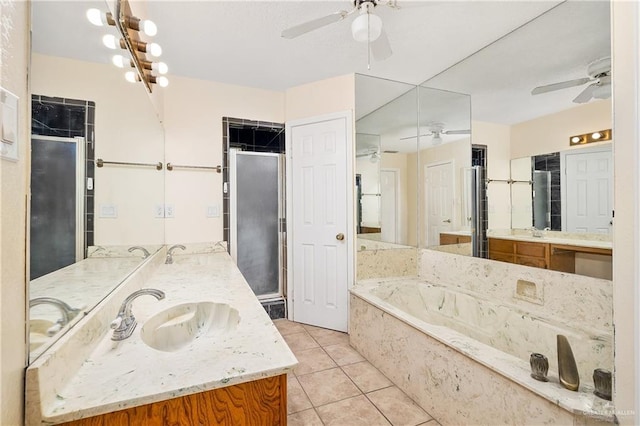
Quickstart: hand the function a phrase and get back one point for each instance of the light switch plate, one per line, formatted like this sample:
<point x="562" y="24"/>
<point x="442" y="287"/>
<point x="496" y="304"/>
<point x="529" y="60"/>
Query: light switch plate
<point x="158" y="211"/>
<point x="213" y="210"/>
<point x="169" y="211"/>
<point x="108" y="211"/>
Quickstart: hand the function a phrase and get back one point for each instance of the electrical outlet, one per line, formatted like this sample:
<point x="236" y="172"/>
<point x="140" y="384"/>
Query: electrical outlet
<point x="169" y="211"/>
<point x="108" y="210"/>
<point x="158" y="211"/>
<point x="213" y="210"/>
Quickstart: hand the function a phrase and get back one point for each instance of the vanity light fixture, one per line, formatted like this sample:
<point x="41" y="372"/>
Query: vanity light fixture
<point x="129" y="28"/>
<point x="599" y="136"/>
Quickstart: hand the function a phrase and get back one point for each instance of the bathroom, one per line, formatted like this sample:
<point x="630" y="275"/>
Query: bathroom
<point x="184" y="139"/>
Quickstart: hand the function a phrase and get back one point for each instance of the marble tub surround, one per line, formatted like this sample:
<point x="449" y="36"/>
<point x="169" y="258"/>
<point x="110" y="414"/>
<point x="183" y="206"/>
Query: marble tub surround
<point x="463" y="249"/>
<point x="459" y="380"/>
<point x="130" y="373"/>
<point x="578" y="301"/>
<point x="386" y="263"/>
<point x="600" y="241"/>
<point x="364" y="243"/>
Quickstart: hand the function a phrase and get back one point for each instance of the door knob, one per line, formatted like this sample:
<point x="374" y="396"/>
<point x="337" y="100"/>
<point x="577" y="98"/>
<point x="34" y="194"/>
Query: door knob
<point x="340" y="237"/>
<point x="447" y="221"/>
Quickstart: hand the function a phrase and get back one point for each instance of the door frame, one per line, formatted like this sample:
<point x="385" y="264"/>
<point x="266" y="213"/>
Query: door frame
<point x="454" y="216"/>
<point x="608" y="147"/>
<point x="351" y="182"/>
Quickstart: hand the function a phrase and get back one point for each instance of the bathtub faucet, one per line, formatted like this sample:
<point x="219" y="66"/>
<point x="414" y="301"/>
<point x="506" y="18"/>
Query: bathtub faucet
<point x="125" y="322"/>
<point x="145" y="252"/>
<point x="170" y="253"/>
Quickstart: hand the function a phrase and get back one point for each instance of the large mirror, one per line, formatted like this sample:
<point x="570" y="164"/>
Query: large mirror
<point x="412" y="144"/>
<point x="90" y="226"/>
<point x="522" y="141"/>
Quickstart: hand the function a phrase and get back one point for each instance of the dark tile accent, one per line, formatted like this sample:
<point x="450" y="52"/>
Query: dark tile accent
<point x="89" y="239"/>
<point x="277" y="310"/>
<point x="90" y="204"/>
<point x="89" y="220"/>
<point x="74" y="102"/>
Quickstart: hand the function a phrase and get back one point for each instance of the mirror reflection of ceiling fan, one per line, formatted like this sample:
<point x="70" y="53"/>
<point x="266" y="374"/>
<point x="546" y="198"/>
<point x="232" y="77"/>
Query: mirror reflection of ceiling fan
<point x="372" y="153"/>
<point x="599" y="73"/>
<point x="367" y="27"/>
<point x="436" y="130"/>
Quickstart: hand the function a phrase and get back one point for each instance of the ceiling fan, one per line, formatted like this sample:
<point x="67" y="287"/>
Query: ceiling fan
<point x="367" y="27"/>
<point x="599" y="73"/>
<point x="436" y="130"/>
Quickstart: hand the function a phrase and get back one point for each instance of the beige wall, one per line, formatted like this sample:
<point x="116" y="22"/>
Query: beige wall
<point x="626" y="230"/>
<point x="14" y="60"/>
<point x="551" y="133"/>
<point x="126" y="129"/>
<point x="193" y="111"/>
<point x="321" y="97"/>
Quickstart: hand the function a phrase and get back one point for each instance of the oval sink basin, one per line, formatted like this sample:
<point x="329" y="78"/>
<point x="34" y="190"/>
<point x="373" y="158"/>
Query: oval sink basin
<point x="181" y="325"/>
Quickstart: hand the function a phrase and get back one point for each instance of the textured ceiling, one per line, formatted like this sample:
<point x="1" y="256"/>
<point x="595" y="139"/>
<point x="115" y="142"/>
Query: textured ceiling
<point x="238" y="42"/>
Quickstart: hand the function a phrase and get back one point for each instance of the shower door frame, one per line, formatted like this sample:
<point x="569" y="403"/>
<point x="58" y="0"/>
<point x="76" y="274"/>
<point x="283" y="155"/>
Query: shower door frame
<point x="79" y="191"/>
<point x="233" y="209"/>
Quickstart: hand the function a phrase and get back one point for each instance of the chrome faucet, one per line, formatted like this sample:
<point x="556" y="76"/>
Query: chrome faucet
<point x="538" y="233"/>
<point x="68" y="313"/>
<point x="170" y="253"/>
<point x="125" y="322"/>
<point x="145" y="252"/>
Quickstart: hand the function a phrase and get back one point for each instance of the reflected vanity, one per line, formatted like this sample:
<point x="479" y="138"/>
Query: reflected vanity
<point x="83" y="105"/>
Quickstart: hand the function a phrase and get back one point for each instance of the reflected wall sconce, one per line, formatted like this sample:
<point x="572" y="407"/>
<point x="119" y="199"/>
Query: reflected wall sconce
<point x="130" y="28"/>
<point x="599" y="136"/>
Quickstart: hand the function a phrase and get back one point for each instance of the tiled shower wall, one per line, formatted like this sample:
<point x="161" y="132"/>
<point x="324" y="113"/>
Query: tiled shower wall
<point x="70" y="118"/>
<point x="551" y="163"/>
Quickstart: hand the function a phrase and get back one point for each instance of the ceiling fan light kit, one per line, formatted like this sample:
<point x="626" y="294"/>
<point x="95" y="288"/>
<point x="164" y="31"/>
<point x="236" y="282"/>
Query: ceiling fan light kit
<point x="367" y="26"/>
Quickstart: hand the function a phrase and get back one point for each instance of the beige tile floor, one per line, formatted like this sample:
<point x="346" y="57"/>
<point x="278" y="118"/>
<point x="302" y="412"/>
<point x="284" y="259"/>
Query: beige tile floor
<point x="334" y="385"/>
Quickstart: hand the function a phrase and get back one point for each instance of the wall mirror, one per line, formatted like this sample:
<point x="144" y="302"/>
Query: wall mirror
<point x="412" y="143"/>
<point x="91" y="226"/>
<point x="386" y="147"/>
<point x="521" y="141"/>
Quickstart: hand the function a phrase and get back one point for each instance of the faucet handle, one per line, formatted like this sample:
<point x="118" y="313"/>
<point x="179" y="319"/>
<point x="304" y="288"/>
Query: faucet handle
<point x="116" y="323"/>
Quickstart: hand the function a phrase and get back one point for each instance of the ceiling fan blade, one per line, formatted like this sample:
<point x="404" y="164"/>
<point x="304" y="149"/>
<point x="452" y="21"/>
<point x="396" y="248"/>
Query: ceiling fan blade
<point x="415" y="137"/>
<point x="456" y="132"/>
<point x="586" y="95"/>
<point x="314" y="24"/>
<point x="562" y="85"/>
<point x="381" y="48"/>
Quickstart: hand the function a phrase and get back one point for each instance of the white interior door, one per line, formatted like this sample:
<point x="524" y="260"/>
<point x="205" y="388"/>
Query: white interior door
<point x="588" y="191"/>
<point x="438" y="184"/>
<point x="320" y="199"/>
<point x="389" y="205"/>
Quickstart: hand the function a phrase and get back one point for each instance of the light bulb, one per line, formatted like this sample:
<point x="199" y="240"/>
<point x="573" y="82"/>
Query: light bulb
<point x="154" y="49"/>
<point x="130" y="76"/>
<point x="596" y="135"/>
<point x="110" y="41"/>
<point x="120" y="61"/>
<point x="149" y="27"/>
<point x="160" y="67"/>
<point x="437" y="140"/>
<point x="366" y="27"/>
<point x="576" y="139"/>
<point x="162" y="81"/>
<point x="95" y="17"/>
<point x="374" y="157"/>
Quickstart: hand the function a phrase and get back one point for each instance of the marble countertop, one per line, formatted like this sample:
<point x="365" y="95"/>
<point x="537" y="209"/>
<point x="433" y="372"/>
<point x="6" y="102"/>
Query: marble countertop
<point x="118" y="375"/>
<point x="556" y="240"/>
<point x="461" y="232"/>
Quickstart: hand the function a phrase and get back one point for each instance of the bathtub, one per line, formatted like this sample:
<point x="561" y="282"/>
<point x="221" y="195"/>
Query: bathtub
<point x="465" y="358"/>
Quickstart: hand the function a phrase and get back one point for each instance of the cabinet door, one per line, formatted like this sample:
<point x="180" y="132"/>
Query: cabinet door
<point x="501" y="257"/>
<point x="535" y="262"/>
<point x="498" y="245"/>
<point x="532" y="249"/>
<point x="446" y="239"/>
<point x="464" y="239"/>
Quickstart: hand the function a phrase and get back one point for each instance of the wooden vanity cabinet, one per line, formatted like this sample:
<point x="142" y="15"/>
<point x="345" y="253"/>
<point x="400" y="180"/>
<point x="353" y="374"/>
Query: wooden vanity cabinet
<point x="519" y="252"/>
<point x="260" y="402"/>
<point x="448" y="239"/>
<point x="537" y="255"/>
